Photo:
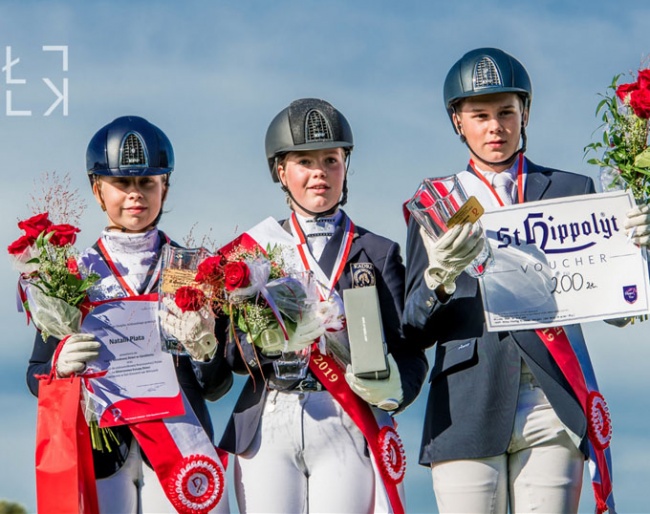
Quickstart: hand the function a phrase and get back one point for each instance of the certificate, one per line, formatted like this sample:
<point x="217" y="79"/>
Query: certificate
<point x="562" y="261"/>
<point x="140" y="382"/>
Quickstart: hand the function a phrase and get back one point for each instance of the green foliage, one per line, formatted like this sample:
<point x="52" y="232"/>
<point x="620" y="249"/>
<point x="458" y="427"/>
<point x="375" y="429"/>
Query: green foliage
<point x="54" y="276"/>
<point x="9" y="507"/>
<point x="624" y="142"/>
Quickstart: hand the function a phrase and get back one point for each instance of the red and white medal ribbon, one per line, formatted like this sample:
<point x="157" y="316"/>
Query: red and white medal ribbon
<point x="310" y="263"/>
<point x="520" y="180"/>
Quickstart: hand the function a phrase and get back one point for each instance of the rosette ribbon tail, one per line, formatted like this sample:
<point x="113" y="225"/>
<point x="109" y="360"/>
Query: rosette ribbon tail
<point x="21" y="299"/>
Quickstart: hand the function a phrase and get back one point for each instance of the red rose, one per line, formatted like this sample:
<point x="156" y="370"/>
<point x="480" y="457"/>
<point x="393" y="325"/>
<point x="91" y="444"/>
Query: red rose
<point x="210" y="270"/>
<point x="625" y="89"/>
<point x="640" y="103"/>
<point x="35" y="225"/>
<point x="73" y="267"/>
<point x="644" y="79"/>
<point x="189" y="298"/>
<point x="20" y="245"/>
<point x="237" y="275"/>
<point x="63" y="234"/>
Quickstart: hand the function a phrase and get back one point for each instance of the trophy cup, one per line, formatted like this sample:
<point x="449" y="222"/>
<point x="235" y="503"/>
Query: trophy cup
<point x="179" y="266"/>
<point x="441" y="203"/>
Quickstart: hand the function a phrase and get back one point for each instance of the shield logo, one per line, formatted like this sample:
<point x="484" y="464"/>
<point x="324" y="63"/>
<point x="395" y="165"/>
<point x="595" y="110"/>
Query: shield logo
<point x="630" y="294"/>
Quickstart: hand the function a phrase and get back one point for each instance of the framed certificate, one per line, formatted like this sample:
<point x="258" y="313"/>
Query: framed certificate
<point x="563" y="261"/>
<point x="140" y="382"/>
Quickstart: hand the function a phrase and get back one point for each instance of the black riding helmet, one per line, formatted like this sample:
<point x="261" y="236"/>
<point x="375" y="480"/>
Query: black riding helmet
<point x="307" y="124"/>
<point x="487" y="71"/>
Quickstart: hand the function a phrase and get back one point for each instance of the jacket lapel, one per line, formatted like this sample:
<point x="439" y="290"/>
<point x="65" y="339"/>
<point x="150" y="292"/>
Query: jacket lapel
<point x="331" y="251"/>
<point x="536" y="183"/>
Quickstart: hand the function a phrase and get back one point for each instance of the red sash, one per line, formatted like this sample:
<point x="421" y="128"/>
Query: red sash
<point x="183" y="457"/>
<point x="599" y="428"/>
<point x="185" y="461"/>
<point x="384" y="444"/>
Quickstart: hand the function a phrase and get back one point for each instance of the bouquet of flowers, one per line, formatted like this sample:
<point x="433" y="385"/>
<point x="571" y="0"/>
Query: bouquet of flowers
<point x="51" y="288"/>
<point x="260" y="296"/>
<point x="625" y="158"/>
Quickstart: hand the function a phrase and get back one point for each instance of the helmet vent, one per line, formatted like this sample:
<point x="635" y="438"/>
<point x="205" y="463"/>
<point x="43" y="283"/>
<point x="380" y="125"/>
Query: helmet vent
<point x="317" y="127"/>
<point x="133" y="153"/>
<point x="486" y="74"/>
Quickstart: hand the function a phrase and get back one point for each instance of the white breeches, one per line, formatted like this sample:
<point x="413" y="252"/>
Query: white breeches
<point x="307" y="456"/>
<point x="540" y="472"/>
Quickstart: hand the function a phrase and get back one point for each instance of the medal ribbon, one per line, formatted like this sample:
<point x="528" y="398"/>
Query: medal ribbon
<point x="155" y="268"/>
<point x="520" y="180"/>
<point x="310" y="263"/>
<point x="571" y="356"/>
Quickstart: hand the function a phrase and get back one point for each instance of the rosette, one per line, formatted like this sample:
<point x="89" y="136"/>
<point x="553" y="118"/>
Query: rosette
<point x="196" y="485"/>
<point x="393" y="456"/>
<point x="600" y="424"/>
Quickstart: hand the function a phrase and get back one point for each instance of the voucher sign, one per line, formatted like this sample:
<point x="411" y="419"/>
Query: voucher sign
<point x="563" y="261"/>
<point x="140" y="383"/>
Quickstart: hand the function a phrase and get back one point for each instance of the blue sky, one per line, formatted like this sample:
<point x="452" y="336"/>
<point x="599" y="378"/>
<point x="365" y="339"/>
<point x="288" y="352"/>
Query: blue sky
<point x="212" y="74"/>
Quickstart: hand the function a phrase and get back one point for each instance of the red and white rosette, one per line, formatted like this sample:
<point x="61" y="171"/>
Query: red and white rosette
<point x="196" y="485"/>
<point x="600" y="424"/>
<point x="393" y="456"/>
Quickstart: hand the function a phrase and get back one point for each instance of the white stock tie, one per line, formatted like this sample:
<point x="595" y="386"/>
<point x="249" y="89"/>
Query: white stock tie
<point x="317" y="244"/>
<point x="319" y="231"/>
<point x="503" y="183"/>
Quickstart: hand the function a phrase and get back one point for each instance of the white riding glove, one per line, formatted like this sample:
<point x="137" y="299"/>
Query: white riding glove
<point x="637" y="225"/>
<point x="77" y="350"/>
<point x="193" y="329"/>
<point x="308" y="329"/>
<point x="451" y="254"/>
<point x="386" y="394"/>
